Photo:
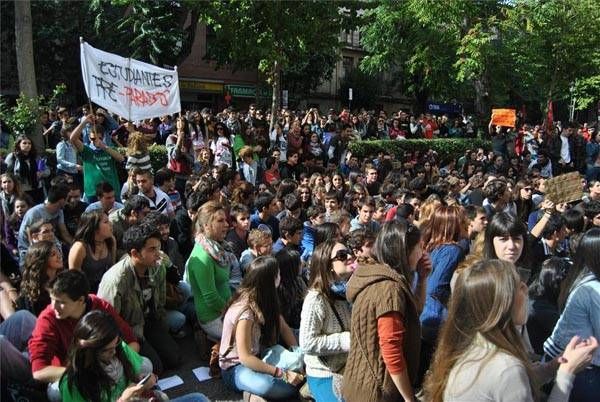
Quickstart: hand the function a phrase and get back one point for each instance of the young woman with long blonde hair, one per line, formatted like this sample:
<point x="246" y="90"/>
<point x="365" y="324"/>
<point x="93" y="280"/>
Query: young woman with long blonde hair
<point x="480" y="355"/>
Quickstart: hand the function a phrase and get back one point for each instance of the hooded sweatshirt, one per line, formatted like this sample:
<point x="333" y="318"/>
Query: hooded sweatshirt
<point x="374" y="290"/>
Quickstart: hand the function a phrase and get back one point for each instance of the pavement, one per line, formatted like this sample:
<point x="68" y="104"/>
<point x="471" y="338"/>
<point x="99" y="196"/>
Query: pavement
<point x="214" y="388"/>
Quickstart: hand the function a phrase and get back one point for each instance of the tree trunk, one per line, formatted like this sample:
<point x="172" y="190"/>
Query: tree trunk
<point x="25" y="61"/>
<point x="421" y="98"/>
<point x="275" y="84"/>
<point x="482" y="98"/>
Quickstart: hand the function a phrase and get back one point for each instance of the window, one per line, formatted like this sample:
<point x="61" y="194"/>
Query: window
<point x="348" y="64"/>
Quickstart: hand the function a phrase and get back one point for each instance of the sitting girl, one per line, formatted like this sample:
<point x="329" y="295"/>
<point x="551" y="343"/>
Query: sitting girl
<point x="252" y="324"/>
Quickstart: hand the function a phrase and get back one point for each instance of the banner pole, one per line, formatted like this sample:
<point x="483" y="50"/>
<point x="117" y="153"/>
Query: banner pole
<point x="81" y="41"/>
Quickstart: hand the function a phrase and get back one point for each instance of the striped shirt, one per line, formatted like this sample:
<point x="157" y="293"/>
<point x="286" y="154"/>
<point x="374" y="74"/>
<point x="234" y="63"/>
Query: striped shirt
<point x="161" y="202"/>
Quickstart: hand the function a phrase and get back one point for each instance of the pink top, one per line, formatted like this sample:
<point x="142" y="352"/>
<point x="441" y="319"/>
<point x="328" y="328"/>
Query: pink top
<point x="237" y="311"/>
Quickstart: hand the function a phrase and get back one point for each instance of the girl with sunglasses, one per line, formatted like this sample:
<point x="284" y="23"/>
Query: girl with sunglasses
<point x="522" y="196"/>
<point x="325" y="318"/>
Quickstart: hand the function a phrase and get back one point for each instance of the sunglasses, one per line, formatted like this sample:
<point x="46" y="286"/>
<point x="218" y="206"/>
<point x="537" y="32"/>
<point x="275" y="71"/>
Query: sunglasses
<point x="343" y="255"/>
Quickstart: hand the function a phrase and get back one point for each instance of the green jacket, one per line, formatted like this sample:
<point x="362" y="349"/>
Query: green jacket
<point x="209" y="283"/>
<point x="69" y="394"/>
<point x="120" y="287"/>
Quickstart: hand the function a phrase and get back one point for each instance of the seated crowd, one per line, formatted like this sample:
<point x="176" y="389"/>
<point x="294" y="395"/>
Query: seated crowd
<point x="302" y="270"/>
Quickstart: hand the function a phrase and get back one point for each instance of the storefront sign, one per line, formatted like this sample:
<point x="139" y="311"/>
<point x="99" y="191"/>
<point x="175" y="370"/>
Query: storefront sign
<point x="201" y="86"/>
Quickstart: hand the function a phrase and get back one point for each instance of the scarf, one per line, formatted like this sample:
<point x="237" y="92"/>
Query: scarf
<point x="220" y="252"/>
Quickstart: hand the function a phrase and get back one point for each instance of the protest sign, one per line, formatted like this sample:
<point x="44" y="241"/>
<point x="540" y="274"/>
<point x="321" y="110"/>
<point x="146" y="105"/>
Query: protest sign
<point x="564" y="188"/>
<point x="130" y="88"/>
<point x="504" y="117"/>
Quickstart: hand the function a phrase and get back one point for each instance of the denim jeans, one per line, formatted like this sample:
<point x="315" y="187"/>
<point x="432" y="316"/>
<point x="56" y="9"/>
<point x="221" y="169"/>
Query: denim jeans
<point x="241" y="379"/>
<point x="14" y="334"/>
<point x="586" y="386"/>
<point x="159" y="346"/>
<point x="321" y="389"/>
<point x="186" y="311"/>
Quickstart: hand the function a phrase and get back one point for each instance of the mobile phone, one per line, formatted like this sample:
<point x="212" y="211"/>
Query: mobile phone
<point x="145" y="379"/>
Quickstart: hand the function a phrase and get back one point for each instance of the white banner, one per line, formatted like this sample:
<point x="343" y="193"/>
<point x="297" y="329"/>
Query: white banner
<point x="130" y="88"/>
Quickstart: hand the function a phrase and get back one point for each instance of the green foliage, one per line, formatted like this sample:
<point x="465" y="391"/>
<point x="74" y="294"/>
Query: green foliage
<point x="24" y="115"/>
<point x="157" y="32"/>
<point x="446" y="148"/>
<point x="274" y="35"/>
<point x="551" y="45"/>
<point x="405" y="38"/>
<point x="500" y="51"/>
<point x="158" y="156"/>
<point x="587" y="91"/>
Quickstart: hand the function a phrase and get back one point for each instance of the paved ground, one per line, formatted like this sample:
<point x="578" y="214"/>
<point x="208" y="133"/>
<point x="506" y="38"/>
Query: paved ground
<point x="214" y="389"/>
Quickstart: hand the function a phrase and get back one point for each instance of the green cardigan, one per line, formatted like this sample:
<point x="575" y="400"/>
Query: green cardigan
<point x="210" y="284"/>
<point x="69" y="394"/>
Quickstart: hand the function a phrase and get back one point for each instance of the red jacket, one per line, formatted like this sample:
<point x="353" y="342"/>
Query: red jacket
<point x="51" y="337"/>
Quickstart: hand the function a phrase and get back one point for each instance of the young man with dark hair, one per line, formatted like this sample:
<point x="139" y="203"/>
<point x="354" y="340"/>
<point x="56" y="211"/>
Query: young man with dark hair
<point x="497" y="198"/>
<point x="238" y="234"/>
<point x="181" y="226"/>
<point x="73" y="208"/>
<point x="105" y="193"/>
<point x="364" y="219"/>
<point x="266" y="207"/>
<point x="159" y="200"/>
<point x="292" y="206"/>
<point x="332" y="204"/>
<point x="50" y="210"/>
<point x="315" y="216"/>
<point x="167" y="244"/>
<point x="361" y="242"/>
<point x="592" y="213"/>
<point x="53" y="333"/>
<point x="292" y="168"/>
<point x="405" y="211"/>
<point x="98" y="159"/>
<point x="372" y="183"/>
<point x="135" y="209"/>
<point x="477" y="220"/>
<point x="165" y="180"/>
<point x="136" y="288"/>
<point x="290" y="229"/>
<point x="548" y="244"/>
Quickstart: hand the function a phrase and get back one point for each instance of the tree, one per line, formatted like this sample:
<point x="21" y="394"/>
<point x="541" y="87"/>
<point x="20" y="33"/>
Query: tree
<point x="25" y="59"/>
<point x="276" y="37"/>
<point x="402" y="37"/>
<point x="158" y="32"/>
<point x="553" y="46"/>
<point x="496" y="51"/>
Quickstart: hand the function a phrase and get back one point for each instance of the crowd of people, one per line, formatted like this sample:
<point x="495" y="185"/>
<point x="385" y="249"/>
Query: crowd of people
<point x="302" y="270"/>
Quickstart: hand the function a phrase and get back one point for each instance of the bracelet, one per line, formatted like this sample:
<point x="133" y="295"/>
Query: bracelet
<point x="284" y="377"/>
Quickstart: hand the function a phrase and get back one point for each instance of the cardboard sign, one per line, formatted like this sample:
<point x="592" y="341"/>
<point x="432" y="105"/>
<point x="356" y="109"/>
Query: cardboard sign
<point x="564" y="188"/>
<point x="504" y="117"/>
